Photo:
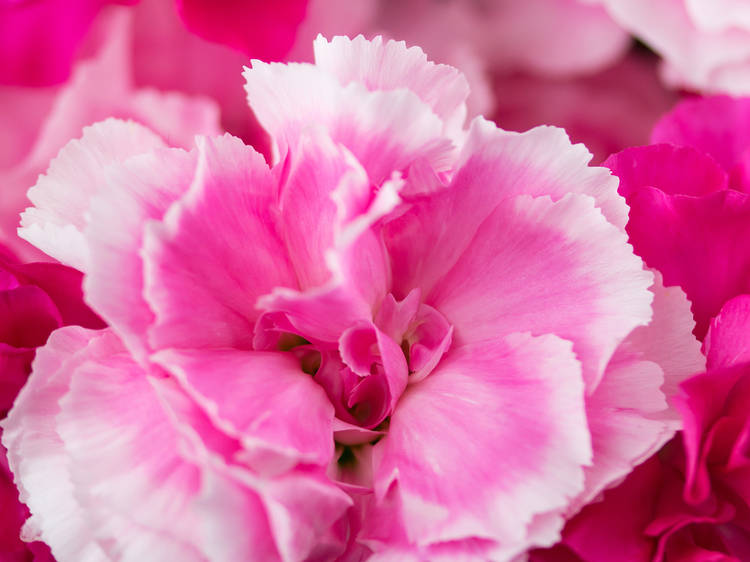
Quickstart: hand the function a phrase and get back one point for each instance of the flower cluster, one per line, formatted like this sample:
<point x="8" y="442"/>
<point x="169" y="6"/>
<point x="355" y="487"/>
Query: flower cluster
<point x="338" y="315"/>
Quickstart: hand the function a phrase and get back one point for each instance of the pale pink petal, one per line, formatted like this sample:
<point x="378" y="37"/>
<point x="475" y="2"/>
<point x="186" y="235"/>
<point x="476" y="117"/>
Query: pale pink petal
<point x="63" y="195"/>
<point x="386" y="130"/>
<point x="668" y="340"/>
<point x="256" y="398"/>
<point x="623" y="415"/>
<point x="38" y="458"/>
<point x="728" y="340"/>
<point x="139" y="190"/>
<point x="390" y="65"/>
<point x="123" y="455"/>
<point x="495" y="165"/>
<point x="202" y="282"/>
<point x="698" y="245"/>
<point x="548" y="267"/>
<point x="496" y="435"/>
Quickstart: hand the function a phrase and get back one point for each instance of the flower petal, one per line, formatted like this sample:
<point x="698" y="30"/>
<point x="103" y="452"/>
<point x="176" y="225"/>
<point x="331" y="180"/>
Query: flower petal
<point x="495" y="435"/>
<point x="547" y="267"/>
<point x="263" y="399"/>
<point x="202" y="282"/>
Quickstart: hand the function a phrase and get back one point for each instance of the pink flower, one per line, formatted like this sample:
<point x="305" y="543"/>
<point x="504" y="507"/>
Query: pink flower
<point x="694" y="186"/>
<point x="399" y="337"/>
<point x="35" y="299"/>
<point x="691" y="502"/>
<point x="705" y="44"/>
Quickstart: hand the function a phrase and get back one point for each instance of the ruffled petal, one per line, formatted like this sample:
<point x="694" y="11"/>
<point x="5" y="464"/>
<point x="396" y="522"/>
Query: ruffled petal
<point x="494" y="165"/>
<point x="390" y="65"/>
<point x="263" y="399"/>
<point x="63" y="195"/>
<point x="728" y="339"/>
<point x="387" y="131"/>
<point x="547" y="267"/>
<point x="495" y="435"/>
<point x="202" y="282"/>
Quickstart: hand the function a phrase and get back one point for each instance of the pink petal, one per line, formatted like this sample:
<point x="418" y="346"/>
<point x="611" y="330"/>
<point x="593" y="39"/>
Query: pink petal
<point x="727" y="341"/>
<point x="695" y="245"/>
<point x="262" y="399"/>
<point x="486" y="442"/>
<point x="672" y="169"/>
<point x="201" y="286"/>
<point x="495" y="165"/>
<point x="63" y="195"/>
<point x="257" y="28"/>
<point x="390" y="65"/>
<point x="386" y="130"/>
<point x="38" y="458"/>
<point x="547" y="267"/>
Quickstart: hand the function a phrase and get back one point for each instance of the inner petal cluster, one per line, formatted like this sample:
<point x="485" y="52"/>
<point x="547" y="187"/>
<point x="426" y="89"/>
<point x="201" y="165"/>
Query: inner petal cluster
<point x="365" y="372"/>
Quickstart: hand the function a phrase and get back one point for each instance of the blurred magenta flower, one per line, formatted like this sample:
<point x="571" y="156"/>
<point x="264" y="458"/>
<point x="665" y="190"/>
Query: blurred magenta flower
<point x="399" y="337"/>
<point x="694" y="185"/>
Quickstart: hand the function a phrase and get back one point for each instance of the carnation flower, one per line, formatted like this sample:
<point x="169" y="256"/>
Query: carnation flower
<point x="399" y="337"/>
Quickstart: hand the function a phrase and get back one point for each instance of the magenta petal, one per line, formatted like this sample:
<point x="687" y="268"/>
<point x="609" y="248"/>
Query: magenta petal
<point x="390" y="65"/>
<point x="718" y="125"/>
<point x="727" y="342"/>
<point x="63" y="285"/>
<point x="255" y="397"/>
<point x="260" y="29"/>
<point x="40" y="39"/>
<point x="496" y="435"/>
<point x="203" y="282"/>
<point x="697" y="245"/>
<point x="672" y="169"/>
<point x="27" y="316"/>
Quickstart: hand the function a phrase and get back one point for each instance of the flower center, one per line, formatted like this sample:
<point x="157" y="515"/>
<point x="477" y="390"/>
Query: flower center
<point x="367" y="370"/>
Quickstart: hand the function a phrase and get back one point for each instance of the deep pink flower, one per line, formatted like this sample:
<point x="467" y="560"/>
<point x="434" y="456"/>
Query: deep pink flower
<point x="692" y="501"/>
<point x="689" y="202"/>
<point x="399" y="337"/>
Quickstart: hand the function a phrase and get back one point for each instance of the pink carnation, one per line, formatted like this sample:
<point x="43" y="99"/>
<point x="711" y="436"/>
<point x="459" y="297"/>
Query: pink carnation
<point x="400" y="337"/>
